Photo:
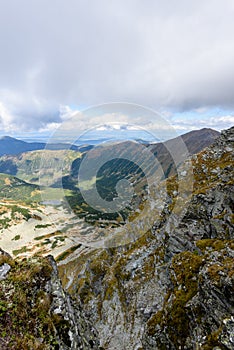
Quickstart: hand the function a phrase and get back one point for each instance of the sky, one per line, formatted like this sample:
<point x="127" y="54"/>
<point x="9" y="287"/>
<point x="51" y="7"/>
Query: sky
<point x="173" y="56"/>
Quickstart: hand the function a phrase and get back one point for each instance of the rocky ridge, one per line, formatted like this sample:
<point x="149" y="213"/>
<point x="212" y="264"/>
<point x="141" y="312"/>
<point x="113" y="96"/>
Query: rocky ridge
<point x="36" y="312"/>
<point x="173" y="288"/>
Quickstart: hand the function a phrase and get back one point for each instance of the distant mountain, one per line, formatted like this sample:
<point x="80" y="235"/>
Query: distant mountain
<point x="12" y="146"/>
<point x="16" y="160"/>
<point x="195" y="141"/>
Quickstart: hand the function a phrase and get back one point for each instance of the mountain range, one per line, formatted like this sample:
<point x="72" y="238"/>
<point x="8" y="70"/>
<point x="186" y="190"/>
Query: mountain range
<point x="15" y="159"/>
<point x="171" y="287"/>
<point x="194" y="140"/>
<point x="56" y="166"/>
<point x="12" y="146"/>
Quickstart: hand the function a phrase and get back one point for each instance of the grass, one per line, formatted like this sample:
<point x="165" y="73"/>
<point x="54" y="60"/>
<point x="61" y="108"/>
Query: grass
<point x="69" y="251"/>
<point x="14" y="213"/>
<point x="17" y="191"/>
<point x="25" y="306"/>
<point x="36" y="166"/>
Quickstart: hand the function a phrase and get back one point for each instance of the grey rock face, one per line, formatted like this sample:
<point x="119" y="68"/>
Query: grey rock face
<point x="227" y="334"/>
<point x="4" y="269"/>
<point x="80" y="332"/>
<point x="55" y="321"/>
<point x="174" y="287"/>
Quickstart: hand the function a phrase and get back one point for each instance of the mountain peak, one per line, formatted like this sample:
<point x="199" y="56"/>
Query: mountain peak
<point x="7" y="138"/>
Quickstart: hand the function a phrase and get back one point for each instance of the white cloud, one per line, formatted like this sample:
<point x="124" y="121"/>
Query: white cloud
<point x="165" y="54"/>
<point x="6" y="118"/>
<point x="218" y="123"/>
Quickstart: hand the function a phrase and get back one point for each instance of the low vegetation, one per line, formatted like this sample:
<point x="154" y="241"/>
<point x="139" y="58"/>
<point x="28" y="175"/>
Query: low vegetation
<point x="25" y="318"/>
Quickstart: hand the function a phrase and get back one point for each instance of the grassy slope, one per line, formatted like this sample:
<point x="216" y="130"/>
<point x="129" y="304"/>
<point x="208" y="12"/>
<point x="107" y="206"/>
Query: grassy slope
<point x="12" y="188"/>
<point x="44" y="165"/>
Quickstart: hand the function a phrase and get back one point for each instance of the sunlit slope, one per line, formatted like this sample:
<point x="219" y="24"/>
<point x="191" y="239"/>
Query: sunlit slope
<point x="12" y="188"/>
<point x="41" y="165"/>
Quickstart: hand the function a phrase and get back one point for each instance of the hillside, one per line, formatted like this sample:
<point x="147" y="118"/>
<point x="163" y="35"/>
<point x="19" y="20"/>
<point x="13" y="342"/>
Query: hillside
<point x="12" y="188"/>
<point x="28" y="166"/>
<point x="35" y="311"/>
<point x="195" y="142"/>
<point x="173" y="288"/>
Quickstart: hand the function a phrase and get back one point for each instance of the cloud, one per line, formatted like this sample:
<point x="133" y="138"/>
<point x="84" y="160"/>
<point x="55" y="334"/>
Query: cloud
<point x="218" y="123"/>
<point x="165" y="54"/>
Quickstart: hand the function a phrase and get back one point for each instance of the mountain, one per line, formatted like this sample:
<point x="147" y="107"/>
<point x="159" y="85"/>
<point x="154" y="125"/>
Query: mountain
<point x="194" y="141"/>
<point x="121" y="167"/>
<point x="55" y="167"/>
<point x="44" y="165"/>
<point x="12" y="146"/>
<point x="172" y="287"/>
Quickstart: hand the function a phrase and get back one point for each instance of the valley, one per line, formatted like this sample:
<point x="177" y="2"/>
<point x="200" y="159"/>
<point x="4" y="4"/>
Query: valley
<point x="162" y="265"/>
<point x="43" y="211"/>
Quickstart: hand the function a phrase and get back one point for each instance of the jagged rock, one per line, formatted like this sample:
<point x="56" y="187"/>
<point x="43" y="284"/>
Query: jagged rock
<point x="81" y="333"/>
<point x="227" y="334"/>
<point x="36" y="312"/>
<point x="172" y="288"/>
<point x="4" y="269"/>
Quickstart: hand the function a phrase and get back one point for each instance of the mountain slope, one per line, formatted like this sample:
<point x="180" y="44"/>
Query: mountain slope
<point x="195" y="141"/>
<point x="40" y="165"/>
<point x="173" y="288"/>
<point x="12" y="146"/>
<point x="12" y="188"/>
<point x="35" y="312"/>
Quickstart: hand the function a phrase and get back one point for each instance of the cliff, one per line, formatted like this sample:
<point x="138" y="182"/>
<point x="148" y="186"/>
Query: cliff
<point x="173" y="287"/>
<point x="35" y="311"/>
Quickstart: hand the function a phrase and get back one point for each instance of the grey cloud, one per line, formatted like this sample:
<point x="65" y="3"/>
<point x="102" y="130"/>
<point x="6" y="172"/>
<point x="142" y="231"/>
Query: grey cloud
<point x="167" y="54"/>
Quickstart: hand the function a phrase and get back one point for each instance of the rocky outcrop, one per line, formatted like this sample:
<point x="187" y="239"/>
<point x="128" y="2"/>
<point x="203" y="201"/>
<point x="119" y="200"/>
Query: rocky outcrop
<point x="36" y="312"/>
<point x="200" y="304"/>
<point x="173" y="288"/>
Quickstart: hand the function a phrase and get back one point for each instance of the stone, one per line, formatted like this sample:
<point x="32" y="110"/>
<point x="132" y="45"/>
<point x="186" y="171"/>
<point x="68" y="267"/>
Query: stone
<point x="4" y="269"/>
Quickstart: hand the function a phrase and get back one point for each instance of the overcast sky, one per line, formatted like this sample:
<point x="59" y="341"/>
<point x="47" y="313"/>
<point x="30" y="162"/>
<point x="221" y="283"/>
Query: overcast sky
<point x="175" y="56"/>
